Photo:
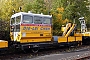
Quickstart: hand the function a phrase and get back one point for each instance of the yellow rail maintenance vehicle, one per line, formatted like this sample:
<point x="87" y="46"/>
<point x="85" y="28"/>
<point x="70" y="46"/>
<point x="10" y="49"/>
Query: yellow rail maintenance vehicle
<point x="34" y="31"/>
<point x="29" y="30"/>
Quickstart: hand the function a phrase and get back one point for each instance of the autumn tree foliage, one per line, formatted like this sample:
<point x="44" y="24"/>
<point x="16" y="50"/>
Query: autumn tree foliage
<point x="63" y="11"/>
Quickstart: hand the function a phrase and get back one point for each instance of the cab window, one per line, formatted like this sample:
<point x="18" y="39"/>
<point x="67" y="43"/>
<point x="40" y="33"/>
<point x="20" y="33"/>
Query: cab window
<point x="12" y="21"/>
<point x="46" y="20"/>
<point x="37" y="20"/>
<point x="27" y="19"/>
<point x="18" y="19"/>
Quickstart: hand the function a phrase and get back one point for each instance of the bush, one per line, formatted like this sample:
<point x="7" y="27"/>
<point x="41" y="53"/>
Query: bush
<point x="4" y="30"/>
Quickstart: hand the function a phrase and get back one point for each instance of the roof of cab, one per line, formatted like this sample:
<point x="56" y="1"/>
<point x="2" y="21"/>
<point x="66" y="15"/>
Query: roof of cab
<point x="29" y="13"/>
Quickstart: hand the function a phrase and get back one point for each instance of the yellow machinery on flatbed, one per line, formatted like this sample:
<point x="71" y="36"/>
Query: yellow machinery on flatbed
<point x="66" y="38"/>
<point x="82" y="37"/>
<point x="84" y="31"/>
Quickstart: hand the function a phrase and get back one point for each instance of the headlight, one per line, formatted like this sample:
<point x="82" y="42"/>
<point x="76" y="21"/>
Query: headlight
<point x="23" y="34"/>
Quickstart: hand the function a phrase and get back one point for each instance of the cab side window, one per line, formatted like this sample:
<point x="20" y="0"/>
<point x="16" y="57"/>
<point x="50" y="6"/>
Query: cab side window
<point x="46" y="20"/>
<point x="27" y="19"/>
<point x="37" y="20"/>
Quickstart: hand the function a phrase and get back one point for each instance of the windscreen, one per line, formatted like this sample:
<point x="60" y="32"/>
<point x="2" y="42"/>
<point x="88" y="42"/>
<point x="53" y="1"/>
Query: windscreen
<point x="27" y="19"/>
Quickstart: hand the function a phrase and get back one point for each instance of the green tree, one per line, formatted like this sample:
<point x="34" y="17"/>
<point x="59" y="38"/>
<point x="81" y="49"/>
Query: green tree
<point x="62" y="10"/>
<point x="8" y="7"/>
<point x="38" y="6"/>
<point x="6" y="11"/>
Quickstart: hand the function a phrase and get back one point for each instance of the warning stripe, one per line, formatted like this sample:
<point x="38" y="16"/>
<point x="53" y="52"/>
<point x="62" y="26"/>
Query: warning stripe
<point x="35" y="24"/>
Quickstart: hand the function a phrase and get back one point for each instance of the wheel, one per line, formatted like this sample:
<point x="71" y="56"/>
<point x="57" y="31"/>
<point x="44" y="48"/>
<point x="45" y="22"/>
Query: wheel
<point x="35" y="50"/>
<point x="79" y="43"/>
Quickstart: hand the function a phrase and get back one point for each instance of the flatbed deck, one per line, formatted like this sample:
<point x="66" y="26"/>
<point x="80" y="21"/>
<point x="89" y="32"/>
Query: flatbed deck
<point x="3" y="44"/>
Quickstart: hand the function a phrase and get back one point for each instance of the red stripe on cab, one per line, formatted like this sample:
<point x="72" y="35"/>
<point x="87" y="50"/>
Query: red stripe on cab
<point x="35" y="24"/>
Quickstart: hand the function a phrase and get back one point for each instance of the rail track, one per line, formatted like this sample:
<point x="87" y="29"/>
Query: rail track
<point x="84" y="58"/>
<point x="22" y="56"/>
